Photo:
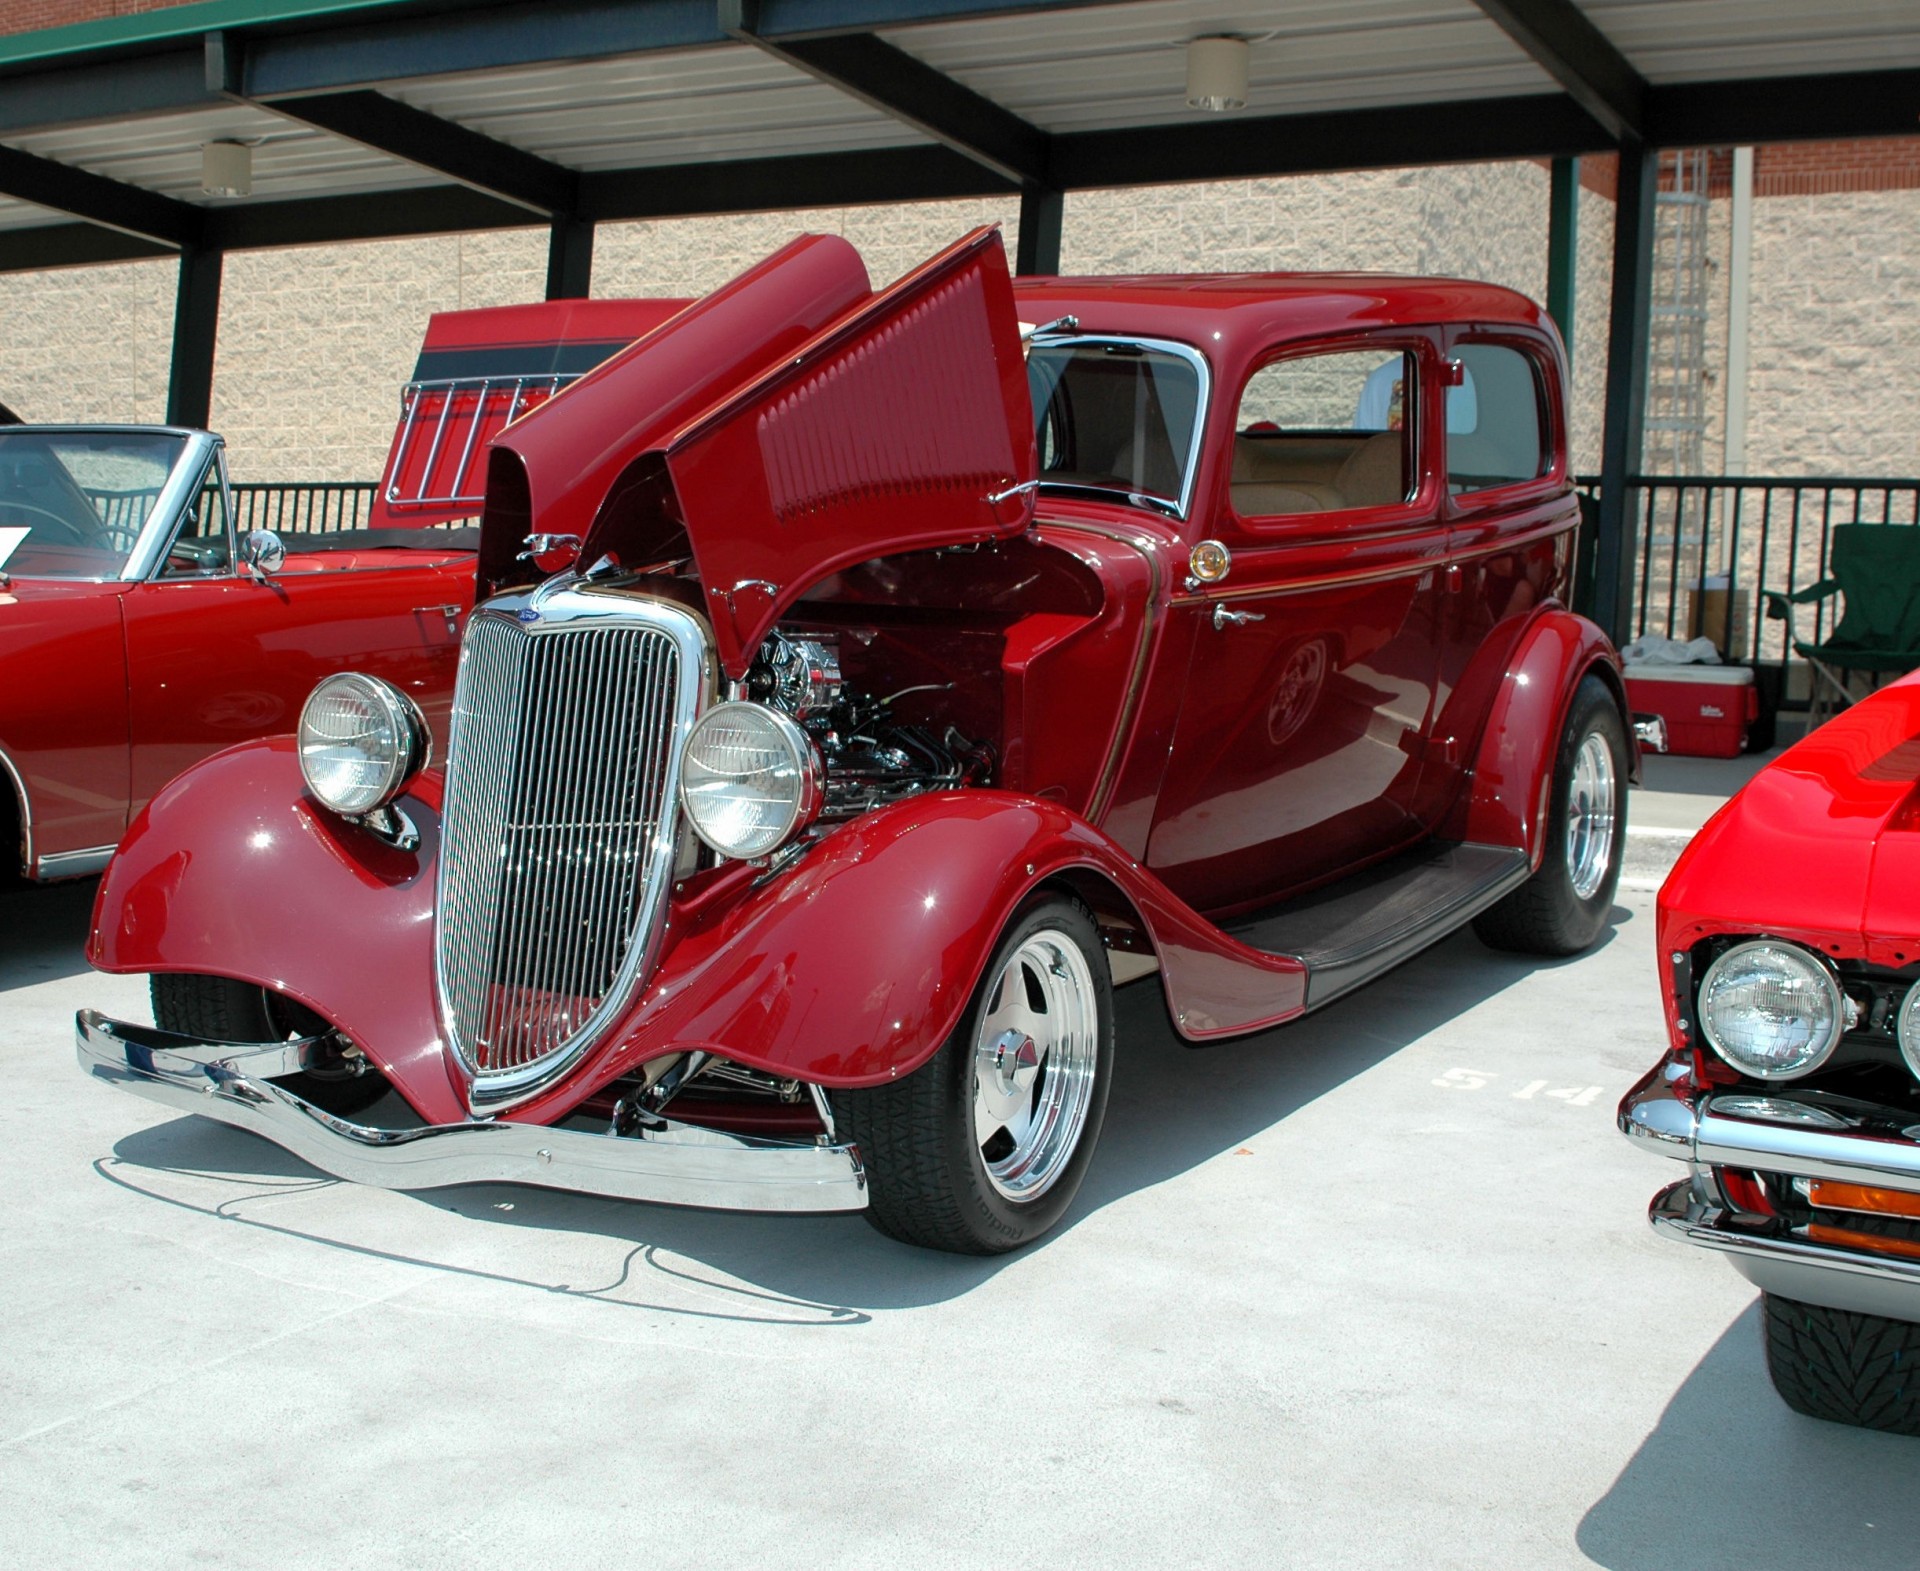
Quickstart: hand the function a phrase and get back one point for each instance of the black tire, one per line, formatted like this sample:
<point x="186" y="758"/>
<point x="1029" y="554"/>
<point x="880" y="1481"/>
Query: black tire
<point x="928" y="1181"/>
<point x="1547" y="915"/>
<point x="1844" y="1368"/>
<point x="218" y="1009"/>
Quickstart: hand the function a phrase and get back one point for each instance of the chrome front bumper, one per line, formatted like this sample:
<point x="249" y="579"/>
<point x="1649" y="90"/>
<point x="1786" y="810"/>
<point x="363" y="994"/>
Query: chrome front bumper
<point x="669" y="1164"/>
<point x="1670" y="1115"/>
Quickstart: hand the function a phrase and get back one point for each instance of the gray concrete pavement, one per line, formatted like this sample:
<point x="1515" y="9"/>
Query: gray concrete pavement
<point x="1371" y="1291"/>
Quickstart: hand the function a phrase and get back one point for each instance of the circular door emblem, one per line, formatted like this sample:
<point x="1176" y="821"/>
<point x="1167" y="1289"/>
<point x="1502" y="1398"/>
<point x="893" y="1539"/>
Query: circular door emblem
<point x="1298" y="690"/>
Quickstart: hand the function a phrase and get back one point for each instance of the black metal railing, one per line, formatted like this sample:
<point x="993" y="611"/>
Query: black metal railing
<point x="303" y="507"/>
<point x="1707" y="546"/>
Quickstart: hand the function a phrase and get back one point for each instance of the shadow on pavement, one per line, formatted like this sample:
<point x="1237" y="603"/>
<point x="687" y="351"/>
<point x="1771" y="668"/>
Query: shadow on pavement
<point x="43" y="930"/>
<point x="1732" y="1479"/>
<point x="1172" y="1108"/>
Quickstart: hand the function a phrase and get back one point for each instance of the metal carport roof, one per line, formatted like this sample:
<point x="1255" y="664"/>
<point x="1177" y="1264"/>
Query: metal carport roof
<point x="378" y="118"/>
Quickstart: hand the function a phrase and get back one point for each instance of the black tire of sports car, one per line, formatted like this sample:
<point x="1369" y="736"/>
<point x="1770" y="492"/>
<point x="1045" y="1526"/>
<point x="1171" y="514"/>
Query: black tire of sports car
<point x="931" y="1180"/>
<point x="219" y="1009"/>
<point x="1547" y="915"/>
<point x="1846" y="1368"/>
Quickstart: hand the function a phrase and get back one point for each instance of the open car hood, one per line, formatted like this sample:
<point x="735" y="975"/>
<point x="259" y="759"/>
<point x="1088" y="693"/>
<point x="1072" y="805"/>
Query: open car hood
<point x="789" y="424"/>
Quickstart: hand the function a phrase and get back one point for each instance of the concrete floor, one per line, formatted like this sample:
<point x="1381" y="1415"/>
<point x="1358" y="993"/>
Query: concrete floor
<point x="1371" y="1291"/>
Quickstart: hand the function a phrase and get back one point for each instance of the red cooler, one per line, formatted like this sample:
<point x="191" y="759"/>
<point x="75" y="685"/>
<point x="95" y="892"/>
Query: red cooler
<point x="1707" y="707"/>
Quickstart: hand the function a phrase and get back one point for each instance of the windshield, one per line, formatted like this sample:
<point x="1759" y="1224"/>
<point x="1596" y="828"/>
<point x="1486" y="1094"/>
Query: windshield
<point x="1115" y="416"/>
<point x="72" y="503"/>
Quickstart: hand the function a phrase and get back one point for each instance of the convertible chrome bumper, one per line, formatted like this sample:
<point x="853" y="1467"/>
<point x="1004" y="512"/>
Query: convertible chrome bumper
<point x="669" y="1163"/>
<point x="1671" y="1115"/>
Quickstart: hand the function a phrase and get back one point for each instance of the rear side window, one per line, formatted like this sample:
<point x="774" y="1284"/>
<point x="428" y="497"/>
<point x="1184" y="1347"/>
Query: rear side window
<point x="1326" y="433"/>
<point x="1496" y="421"/>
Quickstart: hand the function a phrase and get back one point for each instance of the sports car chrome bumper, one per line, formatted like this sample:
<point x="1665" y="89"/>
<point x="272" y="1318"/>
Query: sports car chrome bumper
<point x="670" y="1163"/>
<point x="1670" y="1114"/>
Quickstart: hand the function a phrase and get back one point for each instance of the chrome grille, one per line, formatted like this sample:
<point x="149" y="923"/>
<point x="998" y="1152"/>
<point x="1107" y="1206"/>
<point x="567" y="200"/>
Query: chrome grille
<point x="559" y="824"/>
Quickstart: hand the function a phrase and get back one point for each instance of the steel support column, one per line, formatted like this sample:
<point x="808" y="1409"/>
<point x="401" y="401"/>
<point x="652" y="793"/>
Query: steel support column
<point x="1563" y="245"/>
<point x="569" y="258"/>
<point x="196" y="326"/>
<point x="1041" y="214"/>
<point x="1626" y="408"/>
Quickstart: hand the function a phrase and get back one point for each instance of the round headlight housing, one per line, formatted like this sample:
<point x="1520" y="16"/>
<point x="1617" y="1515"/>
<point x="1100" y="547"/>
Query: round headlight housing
<point x="750" y="779"/>
<point x="1909" y="1028"/>
<point x="1771" y="1009"/>
<point x="361" y="740"/>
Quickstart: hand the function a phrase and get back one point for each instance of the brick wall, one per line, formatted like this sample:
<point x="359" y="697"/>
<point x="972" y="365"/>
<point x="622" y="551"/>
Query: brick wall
<point x="24" y="16"/>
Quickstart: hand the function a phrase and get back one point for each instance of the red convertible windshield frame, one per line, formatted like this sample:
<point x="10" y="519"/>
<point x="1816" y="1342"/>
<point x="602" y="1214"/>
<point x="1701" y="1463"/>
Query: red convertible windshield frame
<point x="1119" y="415"/>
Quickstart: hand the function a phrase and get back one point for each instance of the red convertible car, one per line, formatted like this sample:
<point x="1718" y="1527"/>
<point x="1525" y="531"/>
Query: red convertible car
<point x="868" y="683"/>
<point x="138" y="634"/>
<point x="1787" y="934"/>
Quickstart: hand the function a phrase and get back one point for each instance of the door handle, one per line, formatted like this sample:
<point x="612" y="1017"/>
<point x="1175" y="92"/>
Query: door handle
<point x="450" y="612"/>
<point x="1222" y="616"/>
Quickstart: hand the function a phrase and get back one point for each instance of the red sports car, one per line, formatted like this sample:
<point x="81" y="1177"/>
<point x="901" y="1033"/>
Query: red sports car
<point x="869" y="684"/>
<point x="139" y="634"/>
<point x="1789" y="936"/>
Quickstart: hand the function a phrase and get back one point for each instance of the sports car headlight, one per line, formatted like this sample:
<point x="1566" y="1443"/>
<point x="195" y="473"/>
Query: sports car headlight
<point x="750" y="779"/>
<point x="1771" y="1009"/>
<point x="361" y="741"/>
<point x="1909" y="1028"/>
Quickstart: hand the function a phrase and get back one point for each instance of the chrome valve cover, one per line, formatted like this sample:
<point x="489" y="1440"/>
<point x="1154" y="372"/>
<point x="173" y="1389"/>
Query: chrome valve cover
<point x="560" y="824"/>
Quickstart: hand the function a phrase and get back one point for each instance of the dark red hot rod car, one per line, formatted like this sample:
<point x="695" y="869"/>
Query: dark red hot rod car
<point x="866" y="686"/>
<point x="1790" y="944"/>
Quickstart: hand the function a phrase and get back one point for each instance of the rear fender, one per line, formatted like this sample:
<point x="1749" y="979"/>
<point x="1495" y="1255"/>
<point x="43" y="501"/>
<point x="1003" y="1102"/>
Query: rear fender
<point x="232" y="871"/>
<point x="1508" y="795"/>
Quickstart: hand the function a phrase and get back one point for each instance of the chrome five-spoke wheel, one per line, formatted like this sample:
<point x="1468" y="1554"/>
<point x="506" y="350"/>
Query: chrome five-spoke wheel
<point x="982" y="1148"/>
<point x="1590" y="816"/>
<point x="1035" y="1057"/>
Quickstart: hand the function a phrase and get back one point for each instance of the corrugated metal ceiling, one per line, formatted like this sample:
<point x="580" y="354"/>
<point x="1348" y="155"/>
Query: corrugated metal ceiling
<point x="1706" y="40"/>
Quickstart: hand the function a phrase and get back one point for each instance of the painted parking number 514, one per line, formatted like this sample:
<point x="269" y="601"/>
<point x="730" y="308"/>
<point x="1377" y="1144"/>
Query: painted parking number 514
<point x="1480" y="1079"/>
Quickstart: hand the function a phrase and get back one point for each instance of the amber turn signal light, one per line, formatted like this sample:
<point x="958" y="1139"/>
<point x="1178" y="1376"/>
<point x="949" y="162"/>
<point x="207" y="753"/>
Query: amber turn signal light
<point x="1831" y="1196"/>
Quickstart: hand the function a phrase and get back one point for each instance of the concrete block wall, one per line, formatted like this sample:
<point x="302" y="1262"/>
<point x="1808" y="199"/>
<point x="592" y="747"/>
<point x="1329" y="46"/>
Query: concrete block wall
<point x="315" y="342"/>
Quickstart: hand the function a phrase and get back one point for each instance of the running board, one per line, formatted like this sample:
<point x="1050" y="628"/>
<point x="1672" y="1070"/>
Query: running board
<point x="1350" y="932"/>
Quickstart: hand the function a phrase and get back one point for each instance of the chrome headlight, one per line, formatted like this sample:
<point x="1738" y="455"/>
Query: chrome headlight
<point x="1909" y="1028"/>
<point x="750" y="779"/>
<point x="1772" y="1009"/>
<point x="361" y="741"/>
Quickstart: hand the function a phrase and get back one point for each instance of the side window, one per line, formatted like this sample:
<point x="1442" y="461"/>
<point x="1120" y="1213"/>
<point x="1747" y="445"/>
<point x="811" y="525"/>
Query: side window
<point x="204" y="546"/>
<point x="1325" y="433"/>
<point x="1495" y="420"/>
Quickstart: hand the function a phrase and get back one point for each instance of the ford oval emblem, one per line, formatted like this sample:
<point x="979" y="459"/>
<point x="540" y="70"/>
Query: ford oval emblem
<point x="527" y="614"/>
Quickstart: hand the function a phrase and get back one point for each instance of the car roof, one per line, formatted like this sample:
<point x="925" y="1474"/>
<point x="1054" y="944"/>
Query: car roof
<point x="1250" y="311"/>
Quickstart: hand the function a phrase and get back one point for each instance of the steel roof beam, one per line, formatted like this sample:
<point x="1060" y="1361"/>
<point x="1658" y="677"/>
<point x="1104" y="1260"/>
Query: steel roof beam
<point x="79" y="193"/>
<point x="1470" y="131"/>
<point x="72" y="245"/>
<point x="1785" y="109"/>
<point x="401" y="131"/>
<point x="1577" y="55"/>
<point x="753" y="185"/>
<point x="110" y="90"/>
<point x="376" y="215"/>
<point x="908" y="90"/>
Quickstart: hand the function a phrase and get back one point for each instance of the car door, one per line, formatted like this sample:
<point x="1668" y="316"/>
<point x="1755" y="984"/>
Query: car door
<point x="217" y="656"/>
<point x="1511" y="526"/>
<point x="1310" y="695"/>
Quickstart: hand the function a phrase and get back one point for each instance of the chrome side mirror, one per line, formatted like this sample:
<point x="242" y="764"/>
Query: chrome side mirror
<point x="264" y="553"/>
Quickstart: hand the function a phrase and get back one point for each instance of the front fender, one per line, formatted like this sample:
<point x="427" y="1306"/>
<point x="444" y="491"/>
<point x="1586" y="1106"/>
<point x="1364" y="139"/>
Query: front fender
<point x="232" y="871"/>
<point x="847" y="969"/>
<point x="852" y="967"/>
<point x="1509" y="793"/>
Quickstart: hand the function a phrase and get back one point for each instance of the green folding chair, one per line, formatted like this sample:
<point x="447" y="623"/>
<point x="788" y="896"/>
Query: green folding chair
<point x="1876" y="568"/>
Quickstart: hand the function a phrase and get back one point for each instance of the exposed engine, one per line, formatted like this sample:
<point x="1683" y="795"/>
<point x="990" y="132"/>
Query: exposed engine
<point x="871" y="759"/>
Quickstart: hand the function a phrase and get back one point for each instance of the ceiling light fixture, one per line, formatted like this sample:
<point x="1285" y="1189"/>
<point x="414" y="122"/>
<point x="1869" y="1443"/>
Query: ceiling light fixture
<point x="1217" y="73"/>
<point x="226" y="169"/>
